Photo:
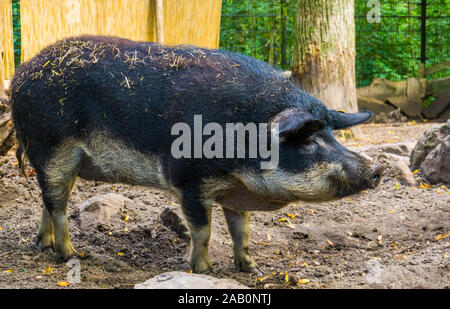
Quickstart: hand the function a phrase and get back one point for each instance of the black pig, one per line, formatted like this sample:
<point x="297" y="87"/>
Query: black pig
<point x="104" y="108"/>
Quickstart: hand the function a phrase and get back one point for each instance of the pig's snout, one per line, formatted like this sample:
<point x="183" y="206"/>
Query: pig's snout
<point x="375" y="175"/>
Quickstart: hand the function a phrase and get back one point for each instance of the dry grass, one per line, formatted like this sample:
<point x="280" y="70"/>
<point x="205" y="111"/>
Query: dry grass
<point x="6" y="41"/>
<point x="195" y="22"/>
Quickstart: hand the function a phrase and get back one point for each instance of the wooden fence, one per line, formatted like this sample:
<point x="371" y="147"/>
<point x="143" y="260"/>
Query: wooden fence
<point x="43" y="22"/>
<point x="6" y="41"/>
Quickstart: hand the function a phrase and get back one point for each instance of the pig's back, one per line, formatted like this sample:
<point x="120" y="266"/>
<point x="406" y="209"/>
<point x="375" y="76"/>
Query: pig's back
<point x="136" y="91"/>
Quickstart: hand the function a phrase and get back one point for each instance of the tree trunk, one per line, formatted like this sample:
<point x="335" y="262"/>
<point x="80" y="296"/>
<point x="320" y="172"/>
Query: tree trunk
<point x="6" y="128"/>
<point x="324" y="52"/>
<point x="7" y="139"/>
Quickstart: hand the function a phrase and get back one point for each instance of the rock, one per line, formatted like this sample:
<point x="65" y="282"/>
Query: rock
<point x="400" y="169"/>
<point x="391" y="117"/>
<point x="401" y="149"/>
<point x="172" y="218"/>
<point x="395" y="157"/>
<point x="431" y="154"/>
<point x="100" y="209"/>
<point x="436" y="166"/>
<point x="181" y="280"/>
<point x="429" y="141"/>
<point x="395" y="166"/>
<point x="7" y="136"/>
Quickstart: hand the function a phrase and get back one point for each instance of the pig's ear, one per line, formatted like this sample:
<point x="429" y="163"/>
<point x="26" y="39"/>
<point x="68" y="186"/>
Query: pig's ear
<point x="295" y="122"/>
<point x="341" y="120"/>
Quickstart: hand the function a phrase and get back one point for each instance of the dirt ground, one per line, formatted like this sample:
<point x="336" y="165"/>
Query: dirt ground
<point x="390" y="237"/>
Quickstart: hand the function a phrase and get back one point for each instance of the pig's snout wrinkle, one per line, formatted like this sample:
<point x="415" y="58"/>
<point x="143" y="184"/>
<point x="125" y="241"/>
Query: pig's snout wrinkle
<point x="376" y="173"/>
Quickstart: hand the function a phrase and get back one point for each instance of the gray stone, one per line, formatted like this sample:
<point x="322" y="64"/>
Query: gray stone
<point x="401" y="149"/>
<point x="172" y="218"/>
<point x="100" y="209"/>
<point x="431" y="154"/>
<point x="436" y="166"/>
<point x="429" y="141"/>
<point x="182" y="280"/>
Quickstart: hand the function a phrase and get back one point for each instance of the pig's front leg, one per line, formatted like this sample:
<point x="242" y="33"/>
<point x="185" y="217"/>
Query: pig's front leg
<point x="238" y="226"/>
<point x="198" y="215"/>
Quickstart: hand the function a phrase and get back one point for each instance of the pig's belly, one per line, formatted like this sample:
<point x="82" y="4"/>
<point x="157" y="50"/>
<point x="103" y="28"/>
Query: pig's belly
<point x="112" y="161"/>
<point x="244" y="200"/>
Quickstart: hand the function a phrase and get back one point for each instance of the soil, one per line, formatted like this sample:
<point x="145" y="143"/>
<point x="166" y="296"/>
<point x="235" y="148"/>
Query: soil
<point x="390" y="237"/>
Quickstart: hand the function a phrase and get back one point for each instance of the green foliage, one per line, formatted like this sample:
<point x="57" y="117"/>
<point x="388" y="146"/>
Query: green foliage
<point x="255" y="28"/>
<point x="390" y="49"/>
<point x="16" y="29"/>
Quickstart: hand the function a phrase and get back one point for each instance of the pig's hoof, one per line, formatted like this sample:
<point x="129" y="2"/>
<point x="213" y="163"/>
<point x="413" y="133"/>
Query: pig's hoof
<point x="253" y="270"/>
<point x="201" y="267"/>
<point x="46" y="244"/>
<point x="66" y="254"/>
<point x="247" y="265"/>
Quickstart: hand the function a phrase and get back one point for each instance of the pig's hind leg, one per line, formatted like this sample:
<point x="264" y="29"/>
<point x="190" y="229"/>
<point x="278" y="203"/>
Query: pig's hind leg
<point x="238" y="226"/>
<point x="56" y="180"/>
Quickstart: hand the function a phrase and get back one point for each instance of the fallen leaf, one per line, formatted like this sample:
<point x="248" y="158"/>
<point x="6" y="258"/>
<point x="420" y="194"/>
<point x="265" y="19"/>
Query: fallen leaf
<point x="48" y="270"/>
<point x="424" y="185"/>
<point x="415" y="172"/>
<point x="126" y="219"/>
<point x="290" y="215"/>
<point x="63" y="283"/>
<point x="395" y="245"/>
<point x="441" y="236"/>
<point x="9" y="271"/>
<point x="391" y="211"/>
<point x="30" y="173"/>
<point x="397" y="185"/>
<point x="286" y="277"/>
<point x="302" y="281"/>
<point x="330" y="242"/>
<point x="260" y="279"/>
<point x="120" y="253"/>
<point x="1" y="228"/>
<point x="288" y="223"/>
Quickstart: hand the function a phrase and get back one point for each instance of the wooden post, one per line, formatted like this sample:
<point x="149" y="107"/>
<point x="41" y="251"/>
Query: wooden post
<point x="2" y="87"/>
<point x="159" y="17"/>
